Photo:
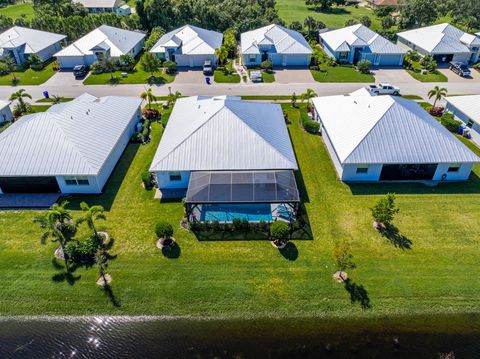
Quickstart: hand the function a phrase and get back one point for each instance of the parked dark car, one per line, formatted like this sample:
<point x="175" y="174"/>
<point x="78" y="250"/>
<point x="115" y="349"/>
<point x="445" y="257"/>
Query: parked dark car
<point x="80" y="70"/>
<point x="207" y="68"/>
<point x="459" y="68"/>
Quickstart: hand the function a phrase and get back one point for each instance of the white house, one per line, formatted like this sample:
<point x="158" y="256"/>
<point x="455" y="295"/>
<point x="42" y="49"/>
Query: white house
<point x="283" y="47"/>
<point x="225" y="152"/>
<point x="105" y="41"/>
<point x="387" y="138"/>
<point x="188" y="46"/>
<point x="444" y="42"/>
<point x="354" y="43"/>
<point x="5" y="112"/>
<point x="73" y="147"/>
<point x="466" y="109"/>
<point x="99" y="6"/>
<point x="19" y="43"/>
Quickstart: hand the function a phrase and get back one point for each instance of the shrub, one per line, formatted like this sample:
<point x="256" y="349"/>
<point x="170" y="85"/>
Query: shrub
<point x="343" y="256"/>
<point x="366" y="21"/>
<point x="164" y="230"/>
<point x="385" y="209"/>
<point x="4" y="69"/>
<point x="137" y="138"/>
<point x="245" y="225"/>
<point x="237" y="224"/>
<point x="36" y="62"/>
<point x="83" y="252"/>
<point x="351" y="22"/>
<point x="436" y="111"/>
<point x="262" y="226"/>
<point x="126" y="62"/>
<point x="450" y="123"/>
<point x="267" y="66"/>
<point x="147" y="179"/>
<point x="146" y="131"/>
<point x="315" y="68"/>
<point x="279" y="231"/>
<point x="170" y="67"/>
<point x="311" y="126"/>
<point x="103" y="66"/>
<point x="477" y="66"/>
<point x="216" y="226"/>
<point x="428" y="63"/>
<point x="151" y="114"/>
<point x="364" y="66"/>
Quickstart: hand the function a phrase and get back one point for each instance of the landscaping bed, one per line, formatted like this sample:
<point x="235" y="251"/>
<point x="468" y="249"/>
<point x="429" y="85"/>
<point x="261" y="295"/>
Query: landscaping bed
<point x="341" y="74"/>
<point x="28" y="77"/>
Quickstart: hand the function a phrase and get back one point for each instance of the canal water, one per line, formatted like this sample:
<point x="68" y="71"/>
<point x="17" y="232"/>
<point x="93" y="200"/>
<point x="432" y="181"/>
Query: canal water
<point x="124" y="337"/>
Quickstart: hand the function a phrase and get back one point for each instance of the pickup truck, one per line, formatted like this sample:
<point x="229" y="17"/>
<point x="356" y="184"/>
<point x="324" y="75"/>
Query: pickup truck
<point x="459" y="68"/>
<point x="384" y="89"/>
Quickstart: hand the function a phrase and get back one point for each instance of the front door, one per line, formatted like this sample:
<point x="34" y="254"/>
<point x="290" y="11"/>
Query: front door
<point x="470" y="123"/>
<point x="264" y="56"/>
<point x="357" y="54"/>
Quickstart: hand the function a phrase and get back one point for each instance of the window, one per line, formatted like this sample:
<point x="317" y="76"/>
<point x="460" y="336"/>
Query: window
<point x="76" y="181"/>
<point x="175" y="176"/>
<point x="362" y="169"/>
<point x="252" y="58"/>
<point x="454" y="167"/>
<point x="343" y="55"/>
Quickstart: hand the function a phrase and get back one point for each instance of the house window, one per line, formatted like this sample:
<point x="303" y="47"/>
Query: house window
<point x="175" y="176"/>
<point x="76" y="181"/>
<point x="252" y="58"/>
<point x="343" y="55"/>
<point x="362" y="169"/>
<point x="454" y="168"/>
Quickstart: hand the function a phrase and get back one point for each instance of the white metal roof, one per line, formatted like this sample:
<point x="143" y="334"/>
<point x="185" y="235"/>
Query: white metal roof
<point x="359" y="36"/>
<point x="224" y="133"/>
<point x="72" y="138"/>
<point x="100" y="3"/>
<point x="387" y="129"/>
<point x="441" y="39"/>
<point x="469" y="105"/>
<point x="190" y="40"/>
<point x="284" y="40"/>
<point x="33" y="40"/>
<point x="120" y="42"/>
<point x="4" y="104"/>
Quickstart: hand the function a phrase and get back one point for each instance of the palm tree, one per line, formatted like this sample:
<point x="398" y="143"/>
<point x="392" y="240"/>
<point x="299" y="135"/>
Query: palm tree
<point x="308" y="95"/>
<point x="90" y="214"/>
<point x="58" y="225"/>
<point x="222" y="54"/>
<point x="19" y="96"/>
<point x="56" y="99"/>
<point x="149" y="96"/>
<point x="438" y="93"/>
<point x="172" y="97"/>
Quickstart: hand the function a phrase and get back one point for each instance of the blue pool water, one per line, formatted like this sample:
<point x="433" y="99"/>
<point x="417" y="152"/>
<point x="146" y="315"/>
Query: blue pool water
<point x="227" y="212"/>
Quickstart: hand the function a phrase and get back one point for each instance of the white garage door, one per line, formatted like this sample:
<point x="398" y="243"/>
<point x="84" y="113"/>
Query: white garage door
<point x="69" y="62"/>
<point x="389" y="60"/>
<point x="193" y="60"/>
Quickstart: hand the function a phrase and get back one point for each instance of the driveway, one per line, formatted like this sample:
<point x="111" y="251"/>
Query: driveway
<point x="295" y="76"/>
<point x="453" y="77"/>
<point x="393" y="76"/>
<point x="63" y="78"/>
<point x="190" y="77"/>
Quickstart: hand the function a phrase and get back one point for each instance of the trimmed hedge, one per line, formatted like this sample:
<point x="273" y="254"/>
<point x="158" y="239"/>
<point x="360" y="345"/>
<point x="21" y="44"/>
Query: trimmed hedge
<point x="279" y="230"/>
<point x="450" y="123"/>
<point x="164" y="230"/>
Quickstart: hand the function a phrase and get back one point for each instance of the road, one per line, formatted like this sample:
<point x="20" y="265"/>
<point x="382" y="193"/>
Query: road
<point x="72" y="89"/>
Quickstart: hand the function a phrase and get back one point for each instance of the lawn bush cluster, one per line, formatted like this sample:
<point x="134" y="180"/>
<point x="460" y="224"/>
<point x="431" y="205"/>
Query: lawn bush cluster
<point x="82" y="252"/>
<point x="164" y="230"/>
<point x="144" y="135"/>
<point x="309" y="125"/>
<point x="125" y="63"/>
<point x="170" y="67"/>
<point x="237" y="225"/>
<point x="279" y="231"/>
<point x="450" y="123"/>
<point x="416" y="63"/>
<point x="364" y="66"/>
<point x="147" y="179"/>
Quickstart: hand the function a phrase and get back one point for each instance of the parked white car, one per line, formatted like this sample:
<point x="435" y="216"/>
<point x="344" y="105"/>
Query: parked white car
<point x="384" y="89"/>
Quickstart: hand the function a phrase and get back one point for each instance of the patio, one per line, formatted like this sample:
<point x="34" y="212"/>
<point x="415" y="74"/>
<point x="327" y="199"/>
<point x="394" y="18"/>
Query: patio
<point x="28" y="200"/>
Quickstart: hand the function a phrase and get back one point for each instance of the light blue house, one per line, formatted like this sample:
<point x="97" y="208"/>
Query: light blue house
<point x="354" y="43"/>
<point x="387" y="138"/>
<point x="466" y="109"/>
<point x="283" y="47"/>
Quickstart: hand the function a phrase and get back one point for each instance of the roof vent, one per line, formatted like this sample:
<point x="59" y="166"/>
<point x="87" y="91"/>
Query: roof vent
<point x="355" y="102"/>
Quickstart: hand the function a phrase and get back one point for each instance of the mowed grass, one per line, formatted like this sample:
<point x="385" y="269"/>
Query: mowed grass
<point x="297" y="10"/>
<point x="430" y="77"/>
<point x="137" y="77"/>
<point x="437" y="275"/>
<point x="340" y="74"/>
<point x="28" y="77"/>
<point x="18" y="10"/>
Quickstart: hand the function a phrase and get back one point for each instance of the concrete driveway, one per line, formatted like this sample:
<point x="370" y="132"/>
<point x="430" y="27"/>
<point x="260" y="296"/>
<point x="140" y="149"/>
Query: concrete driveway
<point x="64" y="78"/>
<point x="295" y="76"/>
<point x="393" y="76"/>
<point x="190" y="77"/>
<point x="453" y="77"/>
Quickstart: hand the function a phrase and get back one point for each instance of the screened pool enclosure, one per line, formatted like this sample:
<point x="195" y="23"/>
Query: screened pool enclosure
<point x="251" y="195"/>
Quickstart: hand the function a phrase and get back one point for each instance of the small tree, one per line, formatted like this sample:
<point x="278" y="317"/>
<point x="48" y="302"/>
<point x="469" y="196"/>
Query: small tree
<point x="170" y="67"/>
<point x="155" y="35"/>
<point x="366" y="21"/>
<point x="294" y="100"/>
<point x="279" y="232"/>
<point x="384" y="210"/>
<point x="364" y="66"/>
<point x="438" y="93"/>
<point x="150" y="63"/>
<point x="127" y="62"/>
<point x="230" y="41"/>
<point x="387" y="22"/>
<point x="101" y="258"/>
<point x="36" y="62"/>
<point x="351" y="22"/>
<point x="19" y="96"/>
<point x="90" y="215"/>
<point x="56" y="99"/>
<point x="172" y="97"/>
<point x="164" y="230"/>
<point x="307" y="95"/>
<point x="296" y="26"/>
<point x="149" y="96"/>
<point x="343" y="256"/>
<point x="222" y="54"/>
<point x="267" y="66"/>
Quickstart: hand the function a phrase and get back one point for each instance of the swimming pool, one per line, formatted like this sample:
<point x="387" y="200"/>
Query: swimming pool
<point x="227" y="212"/>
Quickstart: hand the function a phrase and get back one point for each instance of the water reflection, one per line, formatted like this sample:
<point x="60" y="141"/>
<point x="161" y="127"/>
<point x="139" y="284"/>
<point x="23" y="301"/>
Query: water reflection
<point x="115" y="337"/>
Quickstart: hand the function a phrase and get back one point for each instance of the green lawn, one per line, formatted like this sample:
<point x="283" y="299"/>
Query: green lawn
<point x="272" y="98"/>
<point x="340" y="74"/>
<point x="39" y="108"/>
<point x="137" y="77"/>
<point x="296" y="10"/>
<point x="220" y="77"/>
<point x="412" y="97"/>
<point x="267" y="77"/>
<point x="431" y="77"/>
<point x="18" y="10"/>
<point x="28" y="77"/>
<point x="63" y="99"/>
<point x="250" y="278"/>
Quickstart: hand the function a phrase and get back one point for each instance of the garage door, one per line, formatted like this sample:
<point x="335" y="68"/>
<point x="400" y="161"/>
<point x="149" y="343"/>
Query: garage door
<point x="296" y="60"/>
<point x="69" y="62"/>
<point x="389" y="60"/>
<point x="29" y="185"/>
